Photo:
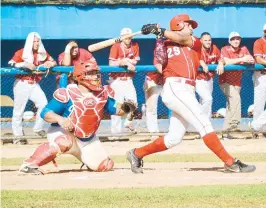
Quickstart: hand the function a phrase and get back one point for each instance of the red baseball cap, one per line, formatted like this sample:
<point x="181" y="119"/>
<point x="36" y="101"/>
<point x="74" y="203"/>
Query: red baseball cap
<point x="176" y="22"/>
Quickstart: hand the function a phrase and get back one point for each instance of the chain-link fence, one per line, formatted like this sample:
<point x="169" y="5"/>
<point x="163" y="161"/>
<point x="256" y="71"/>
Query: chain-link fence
<point x="49" y="84"/>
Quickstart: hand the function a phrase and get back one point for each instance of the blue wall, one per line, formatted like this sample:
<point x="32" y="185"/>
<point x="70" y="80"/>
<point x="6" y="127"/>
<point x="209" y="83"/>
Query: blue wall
<point x="58" y="24"/>
<point x="97" y="22"/>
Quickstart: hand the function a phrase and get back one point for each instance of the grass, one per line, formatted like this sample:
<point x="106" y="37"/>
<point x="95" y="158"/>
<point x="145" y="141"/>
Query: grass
<point x="229" y="196"/>
<point x="250" y="157"/>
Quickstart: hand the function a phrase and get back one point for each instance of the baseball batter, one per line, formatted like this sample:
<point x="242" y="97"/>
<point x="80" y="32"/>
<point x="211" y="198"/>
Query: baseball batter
<point x="126" y="54"/>
<point x="259" y="50"/>
<point x="26" y="87"/>
<point x="75" y="113"/>
<point x="180" y="72"/>
<point x="153" y="86"/>
<point x="210" y="54"/>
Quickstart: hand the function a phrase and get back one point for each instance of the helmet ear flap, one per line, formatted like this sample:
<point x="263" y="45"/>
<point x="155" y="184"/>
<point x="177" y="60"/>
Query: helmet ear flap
<point x="180" y="26"/>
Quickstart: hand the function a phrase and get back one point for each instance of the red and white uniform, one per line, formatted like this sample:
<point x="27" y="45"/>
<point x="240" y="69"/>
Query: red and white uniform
<point x="26" y="88"/>
<point x="204" y="82"/>
<point x="153" y="86"/>
<point x="232" y="77"/>
<point x="259" y="77"/>
<point x="179" y="74"/>
<point x="83" y="55"/>
<point x="122" y="82"/>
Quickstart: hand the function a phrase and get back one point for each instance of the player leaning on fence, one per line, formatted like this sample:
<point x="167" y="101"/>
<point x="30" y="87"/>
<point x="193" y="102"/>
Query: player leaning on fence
<point x="230" y="81"/>
<point x="259" y="116"/>
<point x="26" y="86"/>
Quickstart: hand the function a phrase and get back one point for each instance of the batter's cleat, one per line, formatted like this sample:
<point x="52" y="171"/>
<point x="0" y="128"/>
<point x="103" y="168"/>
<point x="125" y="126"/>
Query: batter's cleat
<point x="30" y="169"/>
<point x="239" y="167"/>
<point x="136" y="163"/>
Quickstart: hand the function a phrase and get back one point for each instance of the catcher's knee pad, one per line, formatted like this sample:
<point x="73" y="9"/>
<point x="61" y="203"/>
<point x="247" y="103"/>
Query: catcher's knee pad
<point x="106" y="165"/>
<point x="64" y="143"/>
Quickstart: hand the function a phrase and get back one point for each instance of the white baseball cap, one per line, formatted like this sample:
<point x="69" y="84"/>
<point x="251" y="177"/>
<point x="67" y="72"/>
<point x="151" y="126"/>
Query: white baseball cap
<point x="264" y="27"/>
<point x="222" y="112"/>
<point x="27" y="115"/>
<point x="233" y="34"/>
<point x="126" y="31"/>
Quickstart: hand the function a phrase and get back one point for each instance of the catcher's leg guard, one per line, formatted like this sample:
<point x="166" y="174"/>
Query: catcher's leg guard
<point x="106" y="165"/>
<point x="48" y="151"/>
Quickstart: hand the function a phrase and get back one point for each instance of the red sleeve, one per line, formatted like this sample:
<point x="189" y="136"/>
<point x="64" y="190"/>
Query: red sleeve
<point x="136" y="54"/>
<point x="258" y="48"/>
<point x="49" y="57"/>
<point x="114" y="53"/>
<point x="224" y="53"/>
<point x="18" y="56"/>
<point x="196" y="46"/>
<point x="246" y="51"/>
<point x="217" y="53"/>
<point x="60" y="58"/>
<point x="88" y="55"/>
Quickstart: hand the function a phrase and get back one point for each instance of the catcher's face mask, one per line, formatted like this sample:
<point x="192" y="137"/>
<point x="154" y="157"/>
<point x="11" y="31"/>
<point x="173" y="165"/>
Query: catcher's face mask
<point x="88" y="75"/>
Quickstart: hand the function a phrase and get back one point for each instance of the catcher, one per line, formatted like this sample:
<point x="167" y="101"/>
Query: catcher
<point x="75" y="113"/>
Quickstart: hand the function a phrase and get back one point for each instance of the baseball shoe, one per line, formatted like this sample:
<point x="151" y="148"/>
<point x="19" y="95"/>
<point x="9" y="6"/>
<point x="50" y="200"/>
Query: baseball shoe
<point x="41" y="133"/>
<point x="20" y="141"/>
<point x="136" y="163"/>
<point x="129" y="129"/>
<point x="258" y="135"/>
<point x="227" y="137"/>
<point x="239" y="167"/>
<point x="30" y="169"/>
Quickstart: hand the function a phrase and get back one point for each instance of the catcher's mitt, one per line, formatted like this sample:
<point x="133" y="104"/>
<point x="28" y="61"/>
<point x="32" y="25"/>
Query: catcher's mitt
<point x="129" y="106"/>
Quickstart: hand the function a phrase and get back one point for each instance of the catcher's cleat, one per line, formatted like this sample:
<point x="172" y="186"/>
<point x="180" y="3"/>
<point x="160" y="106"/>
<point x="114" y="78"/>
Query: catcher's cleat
<point x="136" y="163"/>
<point x="30" y="169"/>
<point x="41" y="133"/>
<point x="20" y="141"/>
<point x="239" y="167"/>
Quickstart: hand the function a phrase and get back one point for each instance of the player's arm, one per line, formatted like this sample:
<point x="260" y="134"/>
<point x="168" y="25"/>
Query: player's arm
<point x="50" y="62"/>
<point x="53" y="110"/>
<point x="258" y="53"/>
<point x="66" y="58"/>
<point x="18" y="62"/>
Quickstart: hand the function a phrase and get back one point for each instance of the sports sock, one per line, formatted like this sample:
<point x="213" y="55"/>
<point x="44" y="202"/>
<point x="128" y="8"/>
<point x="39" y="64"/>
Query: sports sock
<point x="157" y="145"/>
<point x="212" y="141"/>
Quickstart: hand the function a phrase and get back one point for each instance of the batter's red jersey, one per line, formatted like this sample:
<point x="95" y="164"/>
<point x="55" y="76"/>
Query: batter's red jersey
<point x="83" y="55"/>
<point x="211" y="56"/>
<point x="119" y="52"/>
<point x="18" y="59"/>
<point x="232" y="77"/>
<point x="259" y="48"/>
<point x="183" y="61"/>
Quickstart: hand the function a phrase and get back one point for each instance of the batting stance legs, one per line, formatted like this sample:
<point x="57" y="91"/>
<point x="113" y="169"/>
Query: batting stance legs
<point x="259" y="94"/>
<point x="23" y="91"/>
<point x="180" y="98"/>
<point x="91" y="152"/>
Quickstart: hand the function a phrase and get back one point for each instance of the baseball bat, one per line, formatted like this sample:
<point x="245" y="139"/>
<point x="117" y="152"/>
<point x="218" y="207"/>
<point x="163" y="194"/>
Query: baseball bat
<point x="107" y="43"/>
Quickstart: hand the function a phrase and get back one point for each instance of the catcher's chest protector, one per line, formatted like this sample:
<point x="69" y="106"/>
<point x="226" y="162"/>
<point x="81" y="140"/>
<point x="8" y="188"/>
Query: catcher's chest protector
<point x="87" y="111"/>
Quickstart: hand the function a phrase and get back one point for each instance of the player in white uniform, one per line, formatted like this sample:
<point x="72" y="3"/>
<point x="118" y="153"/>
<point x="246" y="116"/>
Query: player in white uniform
<point x="75" y="113"/>
<point x="26" y="87"/>
<point x="259" y="77"/>
<point x="123" y="54"/>
<point x="153" y="86"/>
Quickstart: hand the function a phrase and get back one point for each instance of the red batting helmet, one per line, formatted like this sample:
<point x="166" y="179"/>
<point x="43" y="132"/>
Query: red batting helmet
<point x="177" y="22"/>
<point x="83" y="75"/>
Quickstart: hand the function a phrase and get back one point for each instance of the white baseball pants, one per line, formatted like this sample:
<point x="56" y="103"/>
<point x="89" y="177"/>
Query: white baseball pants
<point x="23" y="91"/>
<point x="152" y="92"/>
<point x="260" y="122"/>
<point x="259" y="94"/>
<point x="124" y="89"/>
<point x="180" y="98"/>
<point x="204" y="89"/>
<point x="91" y="153"/>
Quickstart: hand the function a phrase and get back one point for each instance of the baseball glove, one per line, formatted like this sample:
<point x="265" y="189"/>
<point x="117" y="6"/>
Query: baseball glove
<point x="129" y="106"/>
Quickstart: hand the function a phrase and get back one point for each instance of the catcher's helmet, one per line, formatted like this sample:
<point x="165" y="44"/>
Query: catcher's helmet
<point x="177" y="22"/>
<point x="88" y="75"/>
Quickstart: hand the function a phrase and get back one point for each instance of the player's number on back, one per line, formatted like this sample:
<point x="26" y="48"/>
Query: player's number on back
<point x="175" y="51"/>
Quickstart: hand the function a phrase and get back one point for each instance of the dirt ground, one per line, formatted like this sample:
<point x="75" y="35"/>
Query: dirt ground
<point x="155" y="174"/>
